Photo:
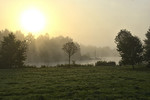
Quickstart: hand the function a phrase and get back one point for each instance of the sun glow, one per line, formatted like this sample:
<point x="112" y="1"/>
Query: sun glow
<point x="32" y="20"/>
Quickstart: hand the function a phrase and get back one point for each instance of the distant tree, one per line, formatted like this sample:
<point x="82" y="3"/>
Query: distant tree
<point x="70" y="48"/>
<point x="147" y="47"/>
<point x="129" y="47"/>
<point x="12" y="52"/>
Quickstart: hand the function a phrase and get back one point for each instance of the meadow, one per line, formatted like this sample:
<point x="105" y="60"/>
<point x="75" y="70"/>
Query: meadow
<point x="75" y="83"/>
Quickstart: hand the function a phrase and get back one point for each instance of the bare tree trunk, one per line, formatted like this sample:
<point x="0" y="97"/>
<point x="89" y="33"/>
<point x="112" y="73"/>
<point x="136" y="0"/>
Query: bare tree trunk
<point x="69" y="60"/>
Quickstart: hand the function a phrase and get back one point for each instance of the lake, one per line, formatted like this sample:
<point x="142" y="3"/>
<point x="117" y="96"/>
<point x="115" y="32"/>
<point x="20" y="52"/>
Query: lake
<point x="115" y="59"/>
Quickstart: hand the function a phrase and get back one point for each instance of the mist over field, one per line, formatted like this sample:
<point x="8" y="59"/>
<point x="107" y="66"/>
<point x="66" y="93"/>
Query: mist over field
<point x="75" y="50"/>
<point x="44" y="49"/>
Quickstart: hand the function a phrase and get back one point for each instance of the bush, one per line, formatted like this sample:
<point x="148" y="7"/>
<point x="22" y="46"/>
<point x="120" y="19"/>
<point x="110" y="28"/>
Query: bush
<point x="30" y="66"/>
<point x="105" y="63"/>
<point x="43" y="66"/>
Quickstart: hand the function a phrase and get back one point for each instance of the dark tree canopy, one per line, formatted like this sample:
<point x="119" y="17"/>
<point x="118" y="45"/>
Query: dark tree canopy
<point x="147" y="46"/>
<point x="70" y="48"/>
<point x="129" y="47"/>
<point x="12" y="52"/>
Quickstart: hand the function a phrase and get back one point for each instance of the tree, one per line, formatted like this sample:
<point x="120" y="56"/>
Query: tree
<point x="70" y="48"/>
<point x="12" y="52"/>
<point x="129" y="47"/>
<point x="147" y="47"/>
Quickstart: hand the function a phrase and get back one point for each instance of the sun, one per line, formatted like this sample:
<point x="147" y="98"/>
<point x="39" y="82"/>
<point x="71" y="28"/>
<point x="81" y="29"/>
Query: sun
<point x="32" y="20"/>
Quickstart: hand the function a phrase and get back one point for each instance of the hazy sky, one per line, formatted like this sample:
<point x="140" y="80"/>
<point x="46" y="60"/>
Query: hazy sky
<point x="90" y="22"/>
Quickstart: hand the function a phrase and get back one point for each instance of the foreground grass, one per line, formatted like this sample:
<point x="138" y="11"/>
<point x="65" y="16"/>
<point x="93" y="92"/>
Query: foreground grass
<point x="77" y="83"/>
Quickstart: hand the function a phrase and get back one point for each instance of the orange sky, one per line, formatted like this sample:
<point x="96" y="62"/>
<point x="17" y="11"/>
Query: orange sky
<point x="90" y="22"/>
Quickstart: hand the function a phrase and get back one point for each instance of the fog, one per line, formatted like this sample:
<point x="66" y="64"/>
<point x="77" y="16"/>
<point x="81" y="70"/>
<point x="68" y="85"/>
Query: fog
<point x="48" y="50"/>
<point x="89" y="22"/>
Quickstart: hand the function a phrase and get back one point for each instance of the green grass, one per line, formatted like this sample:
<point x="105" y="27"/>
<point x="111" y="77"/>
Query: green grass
<point x="77" y="83"/>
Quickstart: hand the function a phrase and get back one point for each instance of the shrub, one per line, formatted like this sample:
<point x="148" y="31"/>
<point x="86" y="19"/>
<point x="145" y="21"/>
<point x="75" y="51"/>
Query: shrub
<point x="43" y="66"/>
<point x="30" y="66"/>
<point x="105" y="63"/>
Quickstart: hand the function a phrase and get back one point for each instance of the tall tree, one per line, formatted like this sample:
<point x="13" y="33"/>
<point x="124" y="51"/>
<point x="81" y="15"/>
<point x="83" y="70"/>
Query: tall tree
<point x="12" y="52"/>
<point x="70" y="48"/>
<point x="147" y="47"/>
<point x="129" y="47"/>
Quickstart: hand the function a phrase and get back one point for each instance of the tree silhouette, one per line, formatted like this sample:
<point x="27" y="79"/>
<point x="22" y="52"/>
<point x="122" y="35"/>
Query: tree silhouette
<point x="129" y="47"/>
<point x="70" y="48"/>
<point x="12" y="52"/>
<point x="147" y="47"/>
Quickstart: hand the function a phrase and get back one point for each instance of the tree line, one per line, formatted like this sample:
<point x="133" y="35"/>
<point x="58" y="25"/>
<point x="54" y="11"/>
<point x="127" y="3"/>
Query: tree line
<point x="45" y="49"/>
<point x="41" y="49"/>
<point x="15" y="50"/>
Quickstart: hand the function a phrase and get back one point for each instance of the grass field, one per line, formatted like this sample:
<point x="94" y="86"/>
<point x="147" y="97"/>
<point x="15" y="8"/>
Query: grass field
<point x="77" y="83"/>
